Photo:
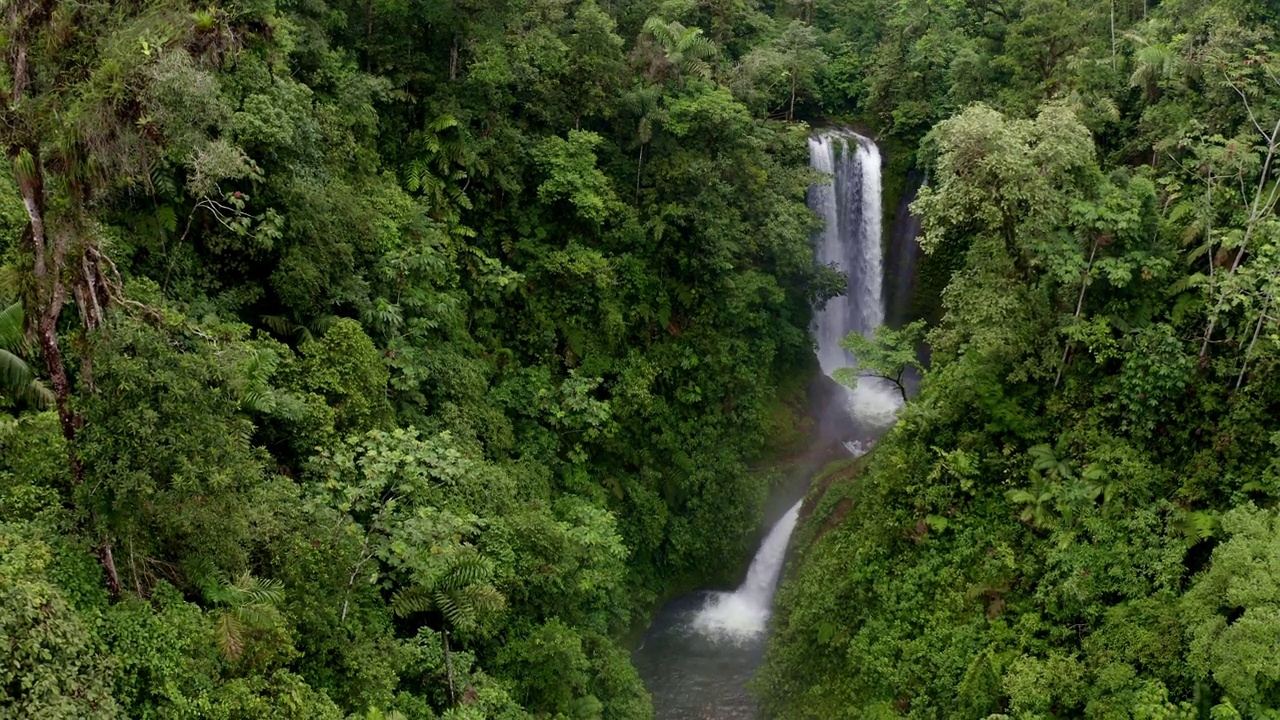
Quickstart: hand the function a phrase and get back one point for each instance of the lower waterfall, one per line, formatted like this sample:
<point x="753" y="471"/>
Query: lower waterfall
<point x="744" y="613"/>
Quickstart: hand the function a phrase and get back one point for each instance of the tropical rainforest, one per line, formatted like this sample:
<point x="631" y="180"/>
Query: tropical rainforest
<point x="1077" y="515"/>
<point x="392" y="358"/>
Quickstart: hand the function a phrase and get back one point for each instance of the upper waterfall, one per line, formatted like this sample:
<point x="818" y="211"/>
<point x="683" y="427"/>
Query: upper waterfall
<point x="850" y="206"/>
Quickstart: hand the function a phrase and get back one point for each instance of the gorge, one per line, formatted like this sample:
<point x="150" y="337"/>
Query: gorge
<point x="702" y="649"/>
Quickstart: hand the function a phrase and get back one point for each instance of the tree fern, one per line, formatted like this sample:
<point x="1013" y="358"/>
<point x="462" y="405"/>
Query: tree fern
<point x="420" y="178"/>
<point x="440" y="173"/>
<point x="661" y="31"/>
<point x="442" y="123"/>
<point x="1153" y="63"/>
<point x="1199" y="525"/>
<point x="684" y="49"/>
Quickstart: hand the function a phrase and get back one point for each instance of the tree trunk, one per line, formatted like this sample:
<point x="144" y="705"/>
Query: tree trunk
<point x="1113" y="34"/>
<point x="50" y="246"/>
<point x="448" y="665"/>
<point x="44" y="303"/>
<point x="791" y="113"/>
<point x="1208" y="224"/>
<point x="1244" y="366"/>
<point x="639" y="168"/>
<point x="108" y="560"/>
<point x="47" y="336"/>
<point x="1084" y="285"/>
<point x="368" y="36"/>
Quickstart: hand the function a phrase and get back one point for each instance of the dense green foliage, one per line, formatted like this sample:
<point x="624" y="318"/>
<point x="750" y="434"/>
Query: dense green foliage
<point x="1077" y="515"/>
<point x="384" y="358"/>
<point x="389" y="358"/>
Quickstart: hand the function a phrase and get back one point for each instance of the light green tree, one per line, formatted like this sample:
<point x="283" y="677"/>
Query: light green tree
<point x="888" y="354"/>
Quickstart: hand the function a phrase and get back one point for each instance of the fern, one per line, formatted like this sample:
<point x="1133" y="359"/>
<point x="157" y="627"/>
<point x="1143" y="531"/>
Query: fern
<point x="1199" y="525"/>
<point x="442" y="123"/>
<point x="279" y="325"/>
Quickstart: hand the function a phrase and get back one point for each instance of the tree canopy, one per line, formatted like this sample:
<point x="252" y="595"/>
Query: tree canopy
<point x="380" y="358"/>
<point x="391" y="359"/>
<point x="1071" y="517"/>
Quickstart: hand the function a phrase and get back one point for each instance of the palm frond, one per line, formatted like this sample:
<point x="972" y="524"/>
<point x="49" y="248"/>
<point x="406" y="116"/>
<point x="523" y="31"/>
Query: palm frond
<point x="460" y="614"/>
<point x="254" y="615"/>
<point x="260" y="591"/>
<point x="13" y="336"/>
<point x="17" y="378"/>
<point x="321" y="324"/>
<point x="280" y="325"/>
<point x="696" y="67"/>
<point x="412" y="600"/>
<point x="14" y="373"/>
<point x="1185" y="283"/>
<point x="486" y="599"/>
<point x="34" y="394"/>
<point x="462" y="594"/>
<point x="229" y="634"/>
<point x="663" y="34"/>
<point x="467" y="569"/>
<point x="694" y="44"/>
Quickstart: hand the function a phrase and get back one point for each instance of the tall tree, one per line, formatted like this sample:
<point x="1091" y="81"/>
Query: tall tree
<point x="75" y="123"/>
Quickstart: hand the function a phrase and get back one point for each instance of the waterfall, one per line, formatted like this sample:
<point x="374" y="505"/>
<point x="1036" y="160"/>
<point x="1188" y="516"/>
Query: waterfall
<point x="701" y="649"/>
<point x="849" y="205"/>
<point x="744" y="613"/>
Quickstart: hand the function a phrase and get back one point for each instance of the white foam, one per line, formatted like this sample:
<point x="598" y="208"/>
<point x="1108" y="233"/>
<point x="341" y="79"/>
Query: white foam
<point x="857" y="448"/>
<point x="875" y="403"/>
<point x="743" y="614"/>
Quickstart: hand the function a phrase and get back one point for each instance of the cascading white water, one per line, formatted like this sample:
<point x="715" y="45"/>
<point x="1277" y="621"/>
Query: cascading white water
<point x="744" y="613"/>
<point x="701" y="649"/>
<point x="850" y="240"/>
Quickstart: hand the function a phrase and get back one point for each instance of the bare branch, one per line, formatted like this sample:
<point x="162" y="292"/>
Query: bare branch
<point x="1248" y="108"/>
